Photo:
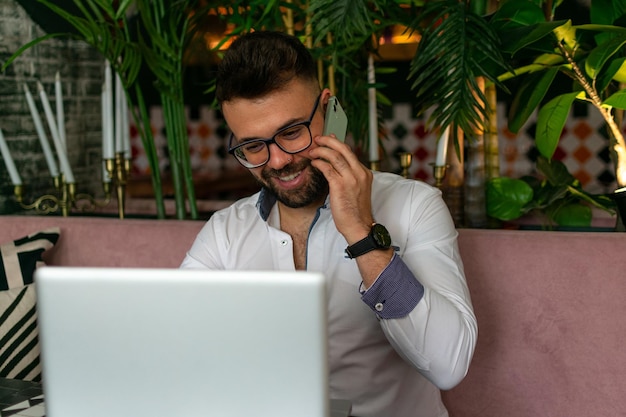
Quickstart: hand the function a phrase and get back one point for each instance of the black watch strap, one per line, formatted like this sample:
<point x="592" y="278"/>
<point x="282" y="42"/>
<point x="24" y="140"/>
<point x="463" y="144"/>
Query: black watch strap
<point x="377" y="238"/>
<point x="361" y="247"/>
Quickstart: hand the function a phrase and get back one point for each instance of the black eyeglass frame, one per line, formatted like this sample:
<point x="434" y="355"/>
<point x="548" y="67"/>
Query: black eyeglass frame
<point x="267" y="142"/>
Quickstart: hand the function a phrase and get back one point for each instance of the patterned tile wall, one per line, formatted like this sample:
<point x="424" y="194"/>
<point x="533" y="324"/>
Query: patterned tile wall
<point x="583" y="147"/>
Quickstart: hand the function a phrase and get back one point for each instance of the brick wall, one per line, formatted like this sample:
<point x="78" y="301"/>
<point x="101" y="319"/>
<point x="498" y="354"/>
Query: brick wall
<point x="80" y="68"/>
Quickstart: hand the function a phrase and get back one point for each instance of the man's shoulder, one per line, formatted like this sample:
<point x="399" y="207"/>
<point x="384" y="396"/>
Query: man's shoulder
<point x="390" y="184"/>
<point x="245" y="204"/>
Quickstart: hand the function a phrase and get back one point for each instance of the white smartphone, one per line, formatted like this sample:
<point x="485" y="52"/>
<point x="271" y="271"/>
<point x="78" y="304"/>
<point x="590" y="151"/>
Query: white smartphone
<point x="336" y="120"/>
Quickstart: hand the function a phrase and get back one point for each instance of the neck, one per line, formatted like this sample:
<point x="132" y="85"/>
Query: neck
<point x="305" y="212"/>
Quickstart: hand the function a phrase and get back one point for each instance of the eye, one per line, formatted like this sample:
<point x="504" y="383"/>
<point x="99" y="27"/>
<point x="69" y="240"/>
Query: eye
<point x="253" y="147"/>
<point x="291" y="133"/>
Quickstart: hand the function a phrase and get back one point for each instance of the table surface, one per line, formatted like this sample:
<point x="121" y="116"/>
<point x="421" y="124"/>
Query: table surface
<point x="25" y="399"/>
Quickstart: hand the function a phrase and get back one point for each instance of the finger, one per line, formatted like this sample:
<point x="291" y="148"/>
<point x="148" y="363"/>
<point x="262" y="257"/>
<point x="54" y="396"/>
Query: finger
<point x="344" y="149"/>
<point x="335" y="152"/>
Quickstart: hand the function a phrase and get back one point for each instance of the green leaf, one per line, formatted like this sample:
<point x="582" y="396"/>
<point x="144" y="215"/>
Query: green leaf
<point x="514" y="14"/>
<point x="572" y="215"/>
<point x="606" y="12"/>
<point x="601" y="54"/>
<point x="617" y="69"/>
<point x="527" y="36"/>
<point x="555" y="172"/>
<point x="30" y="44"/>
<point x="617" y="100"/>
<point x="347" y="20"/>
<point x="550" y="122"/>
<point x="507" y="198"/>
<point x="529" y="96"/>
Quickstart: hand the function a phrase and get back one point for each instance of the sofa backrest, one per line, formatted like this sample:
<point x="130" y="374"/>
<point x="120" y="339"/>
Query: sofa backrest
<point x="98" y="241"/>
<point x="551" y="311"/>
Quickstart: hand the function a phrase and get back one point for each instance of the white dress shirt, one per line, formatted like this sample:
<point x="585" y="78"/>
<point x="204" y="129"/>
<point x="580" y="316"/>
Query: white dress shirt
<point x="410" y="334"/>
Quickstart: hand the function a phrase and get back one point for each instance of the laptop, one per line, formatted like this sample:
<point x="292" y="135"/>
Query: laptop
<point x="121" y="342"/>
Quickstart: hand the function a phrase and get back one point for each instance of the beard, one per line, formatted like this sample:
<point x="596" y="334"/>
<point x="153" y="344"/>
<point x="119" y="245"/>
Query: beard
<point x="313" y="191"/>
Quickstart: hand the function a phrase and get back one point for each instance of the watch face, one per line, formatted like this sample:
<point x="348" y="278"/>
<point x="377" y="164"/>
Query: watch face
<point x="381" y="236"/>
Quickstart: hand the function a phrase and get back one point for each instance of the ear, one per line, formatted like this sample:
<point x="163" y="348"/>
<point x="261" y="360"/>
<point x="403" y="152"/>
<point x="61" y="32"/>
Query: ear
<point x="324" y="96"/>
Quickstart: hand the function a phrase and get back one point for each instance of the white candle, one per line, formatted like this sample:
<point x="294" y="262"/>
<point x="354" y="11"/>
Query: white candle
<point x="125" y="128"/>
<point x="105" y="173"/>
<point x="373" y="113"/>
<point x="108" y="148"/>
<point x="58" y="93"/>
<point x="8" y="161"/>
<point x="119" y="108"/>
<point x="442" y="148"/>
<point x="66" y="170"/>
<point x="43" y="139"/>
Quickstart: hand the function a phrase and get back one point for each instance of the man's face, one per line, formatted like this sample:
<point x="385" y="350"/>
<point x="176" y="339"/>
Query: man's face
<point x="291" y="177"/>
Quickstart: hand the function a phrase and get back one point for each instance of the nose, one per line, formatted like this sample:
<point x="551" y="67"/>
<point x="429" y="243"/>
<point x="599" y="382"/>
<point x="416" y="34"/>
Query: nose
<point x="278" y="157"/>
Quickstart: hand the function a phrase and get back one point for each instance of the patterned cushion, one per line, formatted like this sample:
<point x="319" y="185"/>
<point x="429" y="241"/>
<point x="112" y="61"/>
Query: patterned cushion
<point x="19" y="345"/>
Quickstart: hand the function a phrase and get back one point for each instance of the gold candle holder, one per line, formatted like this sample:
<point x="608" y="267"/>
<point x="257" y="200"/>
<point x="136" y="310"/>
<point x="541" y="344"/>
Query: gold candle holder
<point x="119" y="171"/>
<point x="65" y="199"/>
<point x="406" y="158"/>
<point x="375" y="165"/>
<point x="439" y="172"/>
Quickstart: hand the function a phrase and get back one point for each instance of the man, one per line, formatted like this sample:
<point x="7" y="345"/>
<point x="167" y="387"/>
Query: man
<point x="401" y="324"/>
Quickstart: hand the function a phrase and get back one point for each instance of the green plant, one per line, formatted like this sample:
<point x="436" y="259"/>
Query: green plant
<point x="591" y="55"/>
<point x="558" y="195"/>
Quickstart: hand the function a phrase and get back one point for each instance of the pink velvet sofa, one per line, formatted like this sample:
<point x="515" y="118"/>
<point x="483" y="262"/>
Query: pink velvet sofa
<point x="551" y="307"/>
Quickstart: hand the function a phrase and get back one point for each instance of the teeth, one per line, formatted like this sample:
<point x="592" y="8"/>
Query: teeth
<point x="289" y="177"/>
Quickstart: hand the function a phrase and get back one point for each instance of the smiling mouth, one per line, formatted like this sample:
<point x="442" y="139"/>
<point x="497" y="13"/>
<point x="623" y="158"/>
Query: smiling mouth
<point x="290" y="177"/>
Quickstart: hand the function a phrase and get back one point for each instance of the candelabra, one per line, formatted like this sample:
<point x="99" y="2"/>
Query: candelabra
<point x="66" y="197"/>
<point x="439" y="172"/>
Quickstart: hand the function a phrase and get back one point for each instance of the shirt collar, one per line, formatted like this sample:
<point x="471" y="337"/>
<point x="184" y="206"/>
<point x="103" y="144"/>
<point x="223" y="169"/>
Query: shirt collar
<point x="266" y="202"/>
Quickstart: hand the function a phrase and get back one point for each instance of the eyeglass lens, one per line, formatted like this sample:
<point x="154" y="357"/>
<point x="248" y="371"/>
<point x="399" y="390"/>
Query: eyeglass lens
<point x="293" y="139"/>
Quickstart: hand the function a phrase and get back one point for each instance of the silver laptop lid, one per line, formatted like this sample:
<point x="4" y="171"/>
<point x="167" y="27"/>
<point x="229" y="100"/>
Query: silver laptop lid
<point x="171" y="342"/>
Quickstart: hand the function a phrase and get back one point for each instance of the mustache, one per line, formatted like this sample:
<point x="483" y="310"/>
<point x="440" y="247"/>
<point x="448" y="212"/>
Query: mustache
<point x="286" y="170"/>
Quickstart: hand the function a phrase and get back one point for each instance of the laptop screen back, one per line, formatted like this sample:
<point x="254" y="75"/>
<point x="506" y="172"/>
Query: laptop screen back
<point x="171" y="342"/>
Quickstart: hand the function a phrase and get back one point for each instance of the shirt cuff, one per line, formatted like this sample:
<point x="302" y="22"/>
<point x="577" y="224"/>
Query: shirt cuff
<point x="395" y="293"/>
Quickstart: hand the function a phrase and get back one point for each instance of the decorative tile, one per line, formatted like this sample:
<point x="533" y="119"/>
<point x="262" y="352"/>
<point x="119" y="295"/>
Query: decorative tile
<point x="583" y="147"/>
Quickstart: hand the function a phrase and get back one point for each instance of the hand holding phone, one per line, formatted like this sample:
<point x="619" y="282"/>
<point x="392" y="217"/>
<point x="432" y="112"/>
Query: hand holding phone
<point x="336" y="120"/>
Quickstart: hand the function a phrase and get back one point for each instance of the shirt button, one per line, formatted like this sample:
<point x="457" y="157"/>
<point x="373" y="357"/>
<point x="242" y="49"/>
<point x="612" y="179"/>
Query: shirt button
<point x="283" y="242"/>
<point x="379" y="306"/>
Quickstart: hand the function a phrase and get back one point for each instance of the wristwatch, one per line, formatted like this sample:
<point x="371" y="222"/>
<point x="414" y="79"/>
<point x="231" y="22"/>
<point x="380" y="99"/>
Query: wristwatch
<point x="377" y="238"/>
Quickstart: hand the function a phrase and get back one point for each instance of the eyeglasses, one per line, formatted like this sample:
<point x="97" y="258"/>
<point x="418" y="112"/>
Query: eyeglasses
<point x="292" y="139"/>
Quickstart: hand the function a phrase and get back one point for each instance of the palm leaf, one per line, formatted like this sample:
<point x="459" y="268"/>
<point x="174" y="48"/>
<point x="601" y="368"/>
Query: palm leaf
<point x="29" y="45"/>
<point x="350" y="21"/>
<point x="456" y="47"/>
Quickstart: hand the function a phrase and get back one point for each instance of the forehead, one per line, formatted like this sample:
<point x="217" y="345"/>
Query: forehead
<point x="263" y="116"/>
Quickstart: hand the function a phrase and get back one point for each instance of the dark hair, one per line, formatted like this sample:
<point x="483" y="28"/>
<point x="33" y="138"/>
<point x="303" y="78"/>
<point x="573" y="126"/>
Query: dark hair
<point x="260" y="62"/>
